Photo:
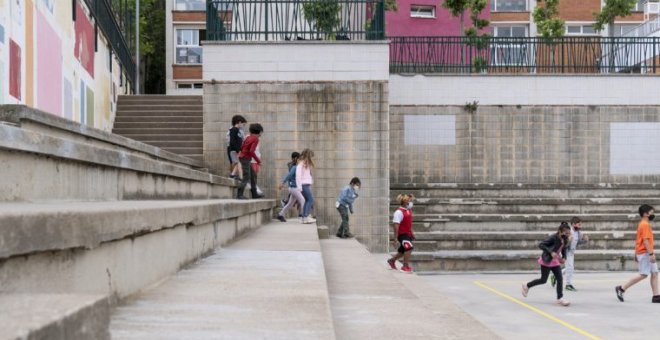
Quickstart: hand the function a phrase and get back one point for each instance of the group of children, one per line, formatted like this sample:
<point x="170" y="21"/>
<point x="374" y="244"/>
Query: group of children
<point x="299" y="182"/>
<point x="560" y="249"/>
<point x="244" y="156"/>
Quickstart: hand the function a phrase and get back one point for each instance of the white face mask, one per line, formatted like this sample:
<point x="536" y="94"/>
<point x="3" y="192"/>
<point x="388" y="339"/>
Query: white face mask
<point x="410" y="205"/>
<point x="356" y="188"/>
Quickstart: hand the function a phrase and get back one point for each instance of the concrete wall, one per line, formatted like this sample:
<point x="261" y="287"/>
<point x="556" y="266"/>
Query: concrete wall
<point x="524" y="144"/>
<point x="49" y="62"/>
<point x="524" y="90"/>
<point x="296" y="60"/>
<point x="345" y="123"/>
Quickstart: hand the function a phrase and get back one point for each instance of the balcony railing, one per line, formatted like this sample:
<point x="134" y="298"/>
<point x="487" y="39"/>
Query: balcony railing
<point x="242" y="20"/>
<point x="585" y="55"/>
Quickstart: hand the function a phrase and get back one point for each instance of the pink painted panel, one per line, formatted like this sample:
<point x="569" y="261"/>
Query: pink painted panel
<point x="14" y="69"/>
<point x="84" y="49"/>
<point x="400" y="23"/>
<point x="49" y="67"/>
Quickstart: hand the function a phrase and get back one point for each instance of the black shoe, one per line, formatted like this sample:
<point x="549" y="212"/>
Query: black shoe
<point x="655" y="299"/>
<point x="281" y="218"/>
<point x="256" y="197"/>
<point x="241" y="197"/>
<point x="340" y="236"/>
<point x="570" y="288"/>
<point x="349" y="235"/>
<point x="619" y="293"/>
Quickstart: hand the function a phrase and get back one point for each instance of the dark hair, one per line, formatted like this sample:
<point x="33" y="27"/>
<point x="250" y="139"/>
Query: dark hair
<point x="563" y="226"/>
<point x="644" y="208"/>
<point x="237" y="119"/>
<point x="355" y="180"/>
<point x="256" y="129"/>
<point x="295" y="155"/>
<point x="575" y="220"/>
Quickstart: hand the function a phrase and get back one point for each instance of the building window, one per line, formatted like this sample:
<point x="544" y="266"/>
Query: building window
<point x="621" y="29"/>
<point x="508" y="5"/>
<point x="417" y="11"/>
<point x="510" y="31"/>
<point x="188" y="50"/>
<point x="188" y="86"/>
<point x="581" y="30"/>
<point x="190" y="5"/>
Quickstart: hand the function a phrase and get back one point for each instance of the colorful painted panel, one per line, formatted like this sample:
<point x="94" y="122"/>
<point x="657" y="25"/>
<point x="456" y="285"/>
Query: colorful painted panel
<point x="84" y="48"/>
<point x="14" y="69"/>
<point x="90" y="107"/>
<point x="49" y="67"/>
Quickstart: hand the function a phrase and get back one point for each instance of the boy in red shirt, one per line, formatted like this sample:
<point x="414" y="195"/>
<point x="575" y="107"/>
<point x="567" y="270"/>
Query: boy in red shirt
<point x="644" y="254"/>
<point x="246" y="155"/>
<point x="402" y="223"/>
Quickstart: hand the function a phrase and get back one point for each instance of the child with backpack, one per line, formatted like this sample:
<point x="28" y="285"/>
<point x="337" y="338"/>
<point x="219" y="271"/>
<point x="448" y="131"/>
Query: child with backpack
<point x="554" y="252"/>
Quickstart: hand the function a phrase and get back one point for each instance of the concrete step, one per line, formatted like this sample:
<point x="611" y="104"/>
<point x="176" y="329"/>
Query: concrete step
<point x="159" y="113"/>
<point x="561" y="191"/>
<point x="365" y="297"/>
<point x="158" y="119"/>
<point x="149" y="138"/>
<point x="523" y="240"/>
<point x="184" y="150"/>
<point x="524" y="217"/>
<point x="514" y="260"/>
<point x="158" y="125"/>
<point x="173" y="107"/>
<point x="157" y="97"/>
<point x="178" y="144"/>
<point x="54" y="316"/>
<point x="157" y="131"/>
<point x="269" y="285"/>
<point x="458" y="226"/>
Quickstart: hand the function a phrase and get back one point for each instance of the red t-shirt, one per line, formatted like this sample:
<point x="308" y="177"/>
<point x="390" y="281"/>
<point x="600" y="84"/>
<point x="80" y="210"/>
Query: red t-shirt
<point x="405" y="225"/>
<point x="249" y="146"/>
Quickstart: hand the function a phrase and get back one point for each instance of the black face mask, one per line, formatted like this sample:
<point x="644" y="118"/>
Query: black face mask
<point x="651" y="217"/>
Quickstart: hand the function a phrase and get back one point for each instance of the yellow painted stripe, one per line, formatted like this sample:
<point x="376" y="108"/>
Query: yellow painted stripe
<point x="538" y="311"/>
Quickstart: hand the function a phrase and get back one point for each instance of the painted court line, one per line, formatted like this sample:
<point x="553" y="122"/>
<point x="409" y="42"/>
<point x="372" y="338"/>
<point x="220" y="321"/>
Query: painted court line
<point x="538" y="311"/>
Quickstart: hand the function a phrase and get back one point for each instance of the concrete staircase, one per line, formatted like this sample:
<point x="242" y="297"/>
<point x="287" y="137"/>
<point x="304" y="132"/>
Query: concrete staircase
<point x="498" y="227"/>
<point x="172" y="123"/>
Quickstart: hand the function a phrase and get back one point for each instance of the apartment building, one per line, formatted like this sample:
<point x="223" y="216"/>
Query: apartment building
<point x="186" y="28"/>
<point x="509" y="18"/>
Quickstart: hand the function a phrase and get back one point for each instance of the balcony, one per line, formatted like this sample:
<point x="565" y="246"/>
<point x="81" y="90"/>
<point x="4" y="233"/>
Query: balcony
<point x="278" y="20"/>
<point x="533" y="55"/>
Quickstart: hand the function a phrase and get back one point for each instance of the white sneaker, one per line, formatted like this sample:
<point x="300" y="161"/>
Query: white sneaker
<point x="311" y="220"/>
<point x="563" y="302"/>
<point x="525" y="289"/>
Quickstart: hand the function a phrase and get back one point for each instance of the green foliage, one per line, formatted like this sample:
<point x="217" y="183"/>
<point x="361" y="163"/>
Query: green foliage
<point x="391" y="5"/>
<point x="547" y="19"/>
<point x="479" y="64"/>
<point x="456" y="7"/>
<point x="323" y="15"/>
<point x="471" y="107"/>
<point x="611" y="10"/>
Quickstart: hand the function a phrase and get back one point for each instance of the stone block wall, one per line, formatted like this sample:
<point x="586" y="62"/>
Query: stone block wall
<point x="346" y="124"/>
<point x="524" y="144"/>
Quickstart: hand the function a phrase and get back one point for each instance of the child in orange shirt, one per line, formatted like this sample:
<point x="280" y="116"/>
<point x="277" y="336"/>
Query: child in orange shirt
<point x="644" y="255"/>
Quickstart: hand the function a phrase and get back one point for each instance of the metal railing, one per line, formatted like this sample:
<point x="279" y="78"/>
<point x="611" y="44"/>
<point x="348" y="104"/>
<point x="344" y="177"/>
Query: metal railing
<point x="295" y="20"/>
<point x="588" y="55"/>
<point x="103" y="14"/>
<point x="645" y="29"/>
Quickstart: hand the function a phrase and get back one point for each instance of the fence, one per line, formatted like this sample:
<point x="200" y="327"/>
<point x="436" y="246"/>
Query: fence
<point x="295" y="20"/>
<point x="103" y="14"/>
<point x="524" y="55"/>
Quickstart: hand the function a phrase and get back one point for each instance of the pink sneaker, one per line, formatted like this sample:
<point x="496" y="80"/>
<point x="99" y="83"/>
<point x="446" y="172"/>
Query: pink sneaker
<point x="563" y="302"/>
<point x="406" y="269"/>
<point x="525" y="289"/>
<point x="392" y="264"/>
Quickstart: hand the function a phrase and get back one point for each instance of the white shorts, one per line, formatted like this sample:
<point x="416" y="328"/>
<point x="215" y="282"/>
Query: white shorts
<point x="645" y="265"/>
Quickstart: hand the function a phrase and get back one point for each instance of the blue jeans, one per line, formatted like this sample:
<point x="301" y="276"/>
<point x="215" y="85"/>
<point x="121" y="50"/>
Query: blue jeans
<point x="309" y="199"/>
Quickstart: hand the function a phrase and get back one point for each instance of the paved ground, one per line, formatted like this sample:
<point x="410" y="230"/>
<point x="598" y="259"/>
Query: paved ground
<point x="595" y="312"/>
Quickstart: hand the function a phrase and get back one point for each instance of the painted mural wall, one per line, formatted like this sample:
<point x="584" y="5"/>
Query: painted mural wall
<point x="48" y="61"/>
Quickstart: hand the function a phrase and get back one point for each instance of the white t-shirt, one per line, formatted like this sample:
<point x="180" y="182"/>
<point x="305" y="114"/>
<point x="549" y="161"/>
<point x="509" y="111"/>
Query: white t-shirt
<point x="398" y="216"/>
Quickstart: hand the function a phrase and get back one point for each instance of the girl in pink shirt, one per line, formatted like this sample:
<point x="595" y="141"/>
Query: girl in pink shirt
<point x="304" y="183"/>
<point x="554" y="253"/>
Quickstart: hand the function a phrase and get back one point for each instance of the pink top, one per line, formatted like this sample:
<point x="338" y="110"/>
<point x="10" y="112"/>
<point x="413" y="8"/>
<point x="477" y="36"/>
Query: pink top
<point x="555" y="261"/>
<point x="303" y="175"/>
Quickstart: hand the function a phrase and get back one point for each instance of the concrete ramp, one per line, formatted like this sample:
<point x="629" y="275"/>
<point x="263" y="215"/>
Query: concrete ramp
<point x="370" y="301"/>
<point x="269" y="285"/>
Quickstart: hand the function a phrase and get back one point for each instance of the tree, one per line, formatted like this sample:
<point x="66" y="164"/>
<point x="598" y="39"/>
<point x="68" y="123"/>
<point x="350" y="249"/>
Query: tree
<point x="479" y="41"/>
<point x="612" y="10"/>
<point x="546" y="18"/>
<point x="457" y="8"/>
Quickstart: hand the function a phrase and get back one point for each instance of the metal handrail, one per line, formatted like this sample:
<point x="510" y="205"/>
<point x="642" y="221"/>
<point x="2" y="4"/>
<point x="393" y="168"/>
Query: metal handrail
<point x="292" y="20"/>
<point x="573" y="55"/>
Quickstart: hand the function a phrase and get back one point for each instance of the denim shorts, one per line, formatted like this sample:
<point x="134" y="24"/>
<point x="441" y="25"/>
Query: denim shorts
<point x="645" y="265"/>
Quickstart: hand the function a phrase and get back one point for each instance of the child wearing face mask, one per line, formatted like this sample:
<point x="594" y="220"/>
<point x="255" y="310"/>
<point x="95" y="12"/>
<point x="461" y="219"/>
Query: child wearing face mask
<point x="344" y="205"/>
<point x="554" y="253"/>
<point x="402" y="223"/>
<point x="644" y="255"/>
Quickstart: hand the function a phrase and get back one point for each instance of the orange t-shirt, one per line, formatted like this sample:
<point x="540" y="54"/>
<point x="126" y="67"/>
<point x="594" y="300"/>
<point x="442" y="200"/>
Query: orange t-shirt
<point x="643" y="231"/>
